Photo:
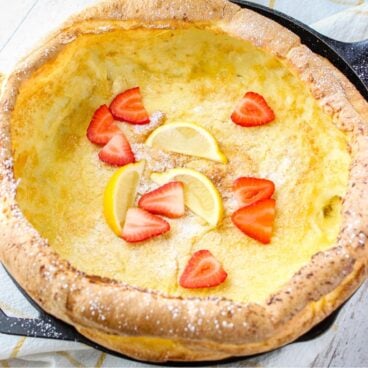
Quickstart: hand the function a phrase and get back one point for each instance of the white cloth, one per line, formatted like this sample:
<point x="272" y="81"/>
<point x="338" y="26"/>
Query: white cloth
<point x="344" y="20"/>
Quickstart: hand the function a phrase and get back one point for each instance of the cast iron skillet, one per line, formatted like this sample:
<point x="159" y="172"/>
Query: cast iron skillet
<point x="349" y="58"/>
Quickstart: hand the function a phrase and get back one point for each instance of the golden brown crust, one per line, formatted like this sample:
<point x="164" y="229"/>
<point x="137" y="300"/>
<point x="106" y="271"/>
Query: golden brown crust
<point x="325" y="87"/>
<point x="179" y="350"/>
<point x="148" y="11"/>
<point x="261" y="31"/>
<point x="100" y="306"/>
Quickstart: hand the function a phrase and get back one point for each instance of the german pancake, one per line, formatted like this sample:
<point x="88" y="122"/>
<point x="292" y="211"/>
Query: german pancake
<point x="237" y="219"/>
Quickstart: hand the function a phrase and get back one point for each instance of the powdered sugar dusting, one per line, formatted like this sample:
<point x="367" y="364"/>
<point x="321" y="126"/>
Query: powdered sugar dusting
<point x="158" y="160"/>
<point x="189" y="227"/>
<point x="146" y="185"/>
<point x="156" y="119"/>
<point x="279" y="175"/>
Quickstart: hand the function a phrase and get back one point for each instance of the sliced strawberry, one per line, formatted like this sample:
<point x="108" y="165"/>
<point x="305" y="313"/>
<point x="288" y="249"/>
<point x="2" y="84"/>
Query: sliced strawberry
<point x="117" y="151"/>
<point x="167" y="200"/>
<point x="102" y="126"/>
<point x="128" y="107"/>
<point x="252" y="110"/>
<point x="202" y="271"/>
<point x="250" y="190"/>
<point x="256" y="220"/>
<point x="141" y="225"/>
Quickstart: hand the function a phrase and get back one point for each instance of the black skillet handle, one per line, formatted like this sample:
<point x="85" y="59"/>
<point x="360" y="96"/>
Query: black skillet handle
<point x="44" y="327"/>
<point x="355" y="54"/>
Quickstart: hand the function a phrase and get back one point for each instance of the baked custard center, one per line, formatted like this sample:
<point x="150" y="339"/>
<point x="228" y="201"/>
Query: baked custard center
<point x="191" y="75"/>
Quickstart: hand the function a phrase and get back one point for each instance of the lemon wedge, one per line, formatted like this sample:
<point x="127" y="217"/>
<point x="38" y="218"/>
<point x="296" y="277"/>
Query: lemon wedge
<point x="187" y="138"/>
<point x="120" y="194"/>
<point x="200" y="195"/>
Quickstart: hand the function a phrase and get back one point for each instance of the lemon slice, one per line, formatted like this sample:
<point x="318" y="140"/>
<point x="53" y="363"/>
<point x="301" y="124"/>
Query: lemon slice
<point x="120" y="194"/>
<point x="200" y="195"/>
<point x="186" y="138"/>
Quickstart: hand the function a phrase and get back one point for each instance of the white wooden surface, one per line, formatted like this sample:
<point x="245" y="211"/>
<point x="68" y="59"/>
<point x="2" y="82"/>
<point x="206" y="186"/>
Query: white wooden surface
<point x="24" y="22"/>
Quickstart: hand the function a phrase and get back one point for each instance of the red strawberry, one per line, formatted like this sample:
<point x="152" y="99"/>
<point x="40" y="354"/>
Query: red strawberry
<point x="256" y="220"/>
<point x="128" y="107"/>
<point x="202" y="271"/>
<point x="117" y="151"/>
<point x="252" y="110"/>
<point x="250" y="190"/>
<point x="102" y="127"/>
<point x="141" y="225"/>
<point x="167" y="200"/>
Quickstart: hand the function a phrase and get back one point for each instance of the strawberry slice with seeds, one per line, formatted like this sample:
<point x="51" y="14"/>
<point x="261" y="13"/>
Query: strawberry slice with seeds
<point x="250" y="190"/>
<point x="141" y="225"/>
<point x="117" y="151"/>
<point x="167" y="200"/>
<point x="256" y="220"/>
<point x="202" y="271"/>
<point x="128" y="107"/>
<point x="252" y="110"/>
<point x="102" y="126"/>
